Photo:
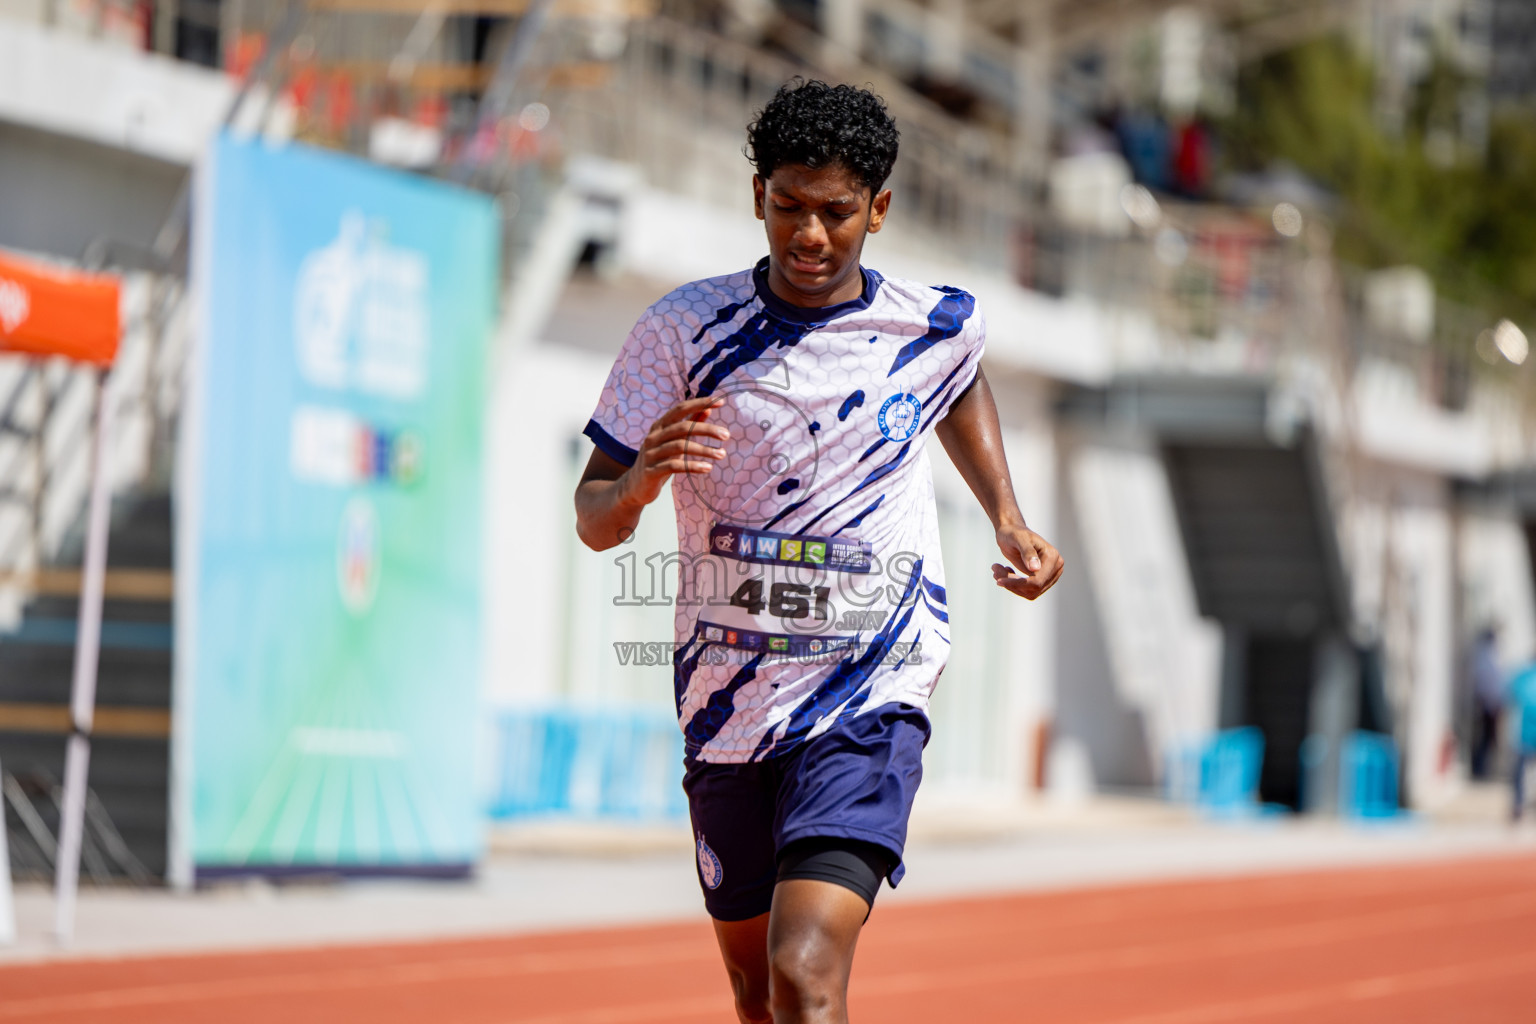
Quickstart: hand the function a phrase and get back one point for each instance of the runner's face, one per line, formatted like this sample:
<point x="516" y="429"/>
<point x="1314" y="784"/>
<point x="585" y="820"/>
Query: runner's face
<point x="816" y="221"/>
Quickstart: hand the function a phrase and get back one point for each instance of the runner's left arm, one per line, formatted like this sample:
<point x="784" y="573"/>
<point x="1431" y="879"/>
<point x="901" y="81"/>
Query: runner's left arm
<point x="973" y="438"/>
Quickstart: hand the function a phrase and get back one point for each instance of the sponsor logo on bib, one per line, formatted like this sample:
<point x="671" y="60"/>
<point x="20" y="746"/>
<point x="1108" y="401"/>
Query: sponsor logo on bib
<point x="748" y="545"/>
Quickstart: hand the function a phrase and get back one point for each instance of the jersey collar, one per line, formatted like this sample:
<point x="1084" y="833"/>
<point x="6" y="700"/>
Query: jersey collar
<point x="812" y="314"/>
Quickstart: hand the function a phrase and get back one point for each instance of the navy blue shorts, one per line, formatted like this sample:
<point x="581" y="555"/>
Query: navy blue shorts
<point x="855" y="781"/>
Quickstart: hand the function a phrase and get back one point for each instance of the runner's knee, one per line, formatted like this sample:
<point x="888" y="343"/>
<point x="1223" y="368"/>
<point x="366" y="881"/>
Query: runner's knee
<point x="751" y="994"/>
<point x="808" y="974"/>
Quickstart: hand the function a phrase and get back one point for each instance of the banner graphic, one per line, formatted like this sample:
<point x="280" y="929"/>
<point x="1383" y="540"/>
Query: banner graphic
<point x="330" y="506"/>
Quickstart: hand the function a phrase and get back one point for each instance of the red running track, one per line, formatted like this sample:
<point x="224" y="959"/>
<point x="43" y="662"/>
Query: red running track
<point x="1447" y="942"/>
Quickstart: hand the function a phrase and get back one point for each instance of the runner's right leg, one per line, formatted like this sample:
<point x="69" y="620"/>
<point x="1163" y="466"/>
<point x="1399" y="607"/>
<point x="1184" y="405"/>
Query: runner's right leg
<point x="814" y="930"/>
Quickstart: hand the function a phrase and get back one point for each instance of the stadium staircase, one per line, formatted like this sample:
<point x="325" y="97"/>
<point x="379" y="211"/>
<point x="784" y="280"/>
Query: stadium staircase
<point x="1260" y="445"/>
<point x="130" y="745"/>
<point x="1263" y="557"/>
<point x="1261" y="538"/>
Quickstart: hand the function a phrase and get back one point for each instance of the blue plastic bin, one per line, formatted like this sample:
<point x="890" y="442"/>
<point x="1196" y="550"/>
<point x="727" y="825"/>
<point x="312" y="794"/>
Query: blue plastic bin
<point x="588" y="764"/>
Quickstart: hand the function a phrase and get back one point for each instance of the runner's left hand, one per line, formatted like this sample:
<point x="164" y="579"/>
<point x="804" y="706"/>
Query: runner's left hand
<point x="1038" y="564"/>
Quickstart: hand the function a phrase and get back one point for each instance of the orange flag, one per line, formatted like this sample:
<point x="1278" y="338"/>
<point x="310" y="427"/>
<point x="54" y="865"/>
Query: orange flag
<point x="46" y="311"/>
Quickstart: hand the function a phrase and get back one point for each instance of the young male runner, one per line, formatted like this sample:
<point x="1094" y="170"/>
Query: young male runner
<point x="790" y="407"/>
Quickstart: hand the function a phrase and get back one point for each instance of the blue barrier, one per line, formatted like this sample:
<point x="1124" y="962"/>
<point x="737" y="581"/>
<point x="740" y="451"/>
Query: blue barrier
<point x="1368" y="767"/>
<point x="1220" y="775"/>
<point x="588" y="764"/>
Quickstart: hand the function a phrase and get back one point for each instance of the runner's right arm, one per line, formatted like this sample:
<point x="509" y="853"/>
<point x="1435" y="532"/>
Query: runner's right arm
<point x="611" y="496"/>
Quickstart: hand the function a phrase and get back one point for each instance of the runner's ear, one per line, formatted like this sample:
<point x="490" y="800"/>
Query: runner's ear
<point x="879" y="206"/>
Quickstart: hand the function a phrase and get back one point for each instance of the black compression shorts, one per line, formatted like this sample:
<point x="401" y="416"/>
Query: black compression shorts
<point x="850" y="863"/>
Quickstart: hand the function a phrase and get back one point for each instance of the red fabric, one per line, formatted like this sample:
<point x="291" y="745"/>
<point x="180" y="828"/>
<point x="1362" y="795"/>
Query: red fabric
<point x="1192" y="160"/>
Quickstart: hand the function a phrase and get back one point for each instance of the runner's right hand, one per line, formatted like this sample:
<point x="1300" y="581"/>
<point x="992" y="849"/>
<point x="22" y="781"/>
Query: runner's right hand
<point x="676" y="444"/>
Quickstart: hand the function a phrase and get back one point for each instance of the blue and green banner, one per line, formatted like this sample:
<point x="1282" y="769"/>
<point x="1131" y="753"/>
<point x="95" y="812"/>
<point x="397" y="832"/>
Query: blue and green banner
<point x="329" y="504"/>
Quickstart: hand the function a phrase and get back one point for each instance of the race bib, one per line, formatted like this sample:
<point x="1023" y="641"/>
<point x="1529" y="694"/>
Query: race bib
<point x="789" y="594"/>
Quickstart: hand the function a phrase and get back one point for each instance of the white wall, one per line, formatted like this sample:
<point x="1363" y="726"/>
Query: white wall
<point x="997" y="687"/>
<point x="1399" y="549"/>
<point x="1422" y="547"/>
<point x="1161" y="658"/>
<point x="549" y="600"/>
<point x="1496" y="582"/>
<point x="65" y="83"/>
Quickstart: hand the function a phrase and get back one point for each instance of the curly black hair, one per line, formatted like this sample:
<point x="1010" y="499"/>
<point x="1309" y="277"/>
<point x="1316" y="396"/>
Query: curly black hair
<point x="818" y="125"/>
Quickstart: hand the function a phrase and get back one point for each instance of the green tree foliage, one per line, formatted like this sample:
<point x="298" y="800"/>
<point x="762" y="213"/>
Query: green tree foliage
<point x="1469" y="221"/>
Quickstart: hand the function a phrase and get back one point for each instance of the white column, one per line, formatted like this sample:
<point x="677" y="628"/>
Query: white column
<point x="77" y="756"/>
<point x="1032" y="77"/>
<point x="842" y="23"/>
<point x="1183" y="42"/>
<point x="944" y="57"/>
<point x="166" y="12"/>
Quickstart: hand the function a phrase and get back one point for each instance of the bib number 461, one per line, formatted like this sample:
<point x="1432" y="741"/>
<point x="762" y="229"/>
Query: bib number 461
<point x="786" y="600"/>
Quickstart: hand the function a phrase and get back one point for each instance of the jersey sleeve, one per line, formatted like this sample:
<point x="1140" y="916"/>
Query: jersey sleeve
<point x="970" y="345"/>
<point x="643" y="384"/>
<point x="975" y="339"/>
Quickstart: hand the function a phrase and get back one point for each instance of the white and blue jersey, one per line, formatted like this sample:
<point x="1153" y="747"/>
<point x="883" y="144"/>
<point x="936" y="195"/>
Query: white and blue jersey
<point x="811" y="585"/>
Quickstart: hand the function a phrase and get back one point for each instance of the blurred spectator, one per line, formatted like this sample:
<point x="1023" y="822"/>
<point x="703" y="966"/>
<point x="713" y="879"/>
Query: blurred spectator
<point x="1145" y="143"/>
<point x="1522" y="697"/>
<point x="1192" y="160"/>
<point x="1487" y="699"/>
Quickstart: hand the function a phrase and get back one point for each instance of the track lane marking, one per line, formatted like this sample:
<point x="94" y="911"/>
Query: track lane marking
<point x="1107" y="906"/>
<point x="1258" y="940"/>
<point x="1383" y="986"/>
<point x="424" y="972"/>
<point x="650" y="954"/>
<point x="1376" y="987"/>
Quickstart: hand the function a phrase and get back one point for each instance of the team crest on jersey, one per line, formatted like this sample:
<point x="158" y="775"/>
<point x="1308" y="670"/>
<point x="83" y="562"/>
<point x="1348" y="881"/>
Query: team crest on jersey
<point x="709" y="865"/>
<point x="899" y="416"/>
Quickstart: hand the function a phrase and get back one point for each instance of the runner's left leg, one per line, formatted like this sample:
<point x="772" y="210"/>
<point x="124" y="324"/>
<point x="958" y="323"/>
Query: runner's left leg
<point x="812" y="932"/>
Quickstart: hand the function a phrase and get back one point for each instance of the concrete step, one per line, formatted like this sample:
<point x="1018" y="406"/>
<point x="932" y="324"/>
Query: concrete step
<point x="130" y="777"/>
<point x="1255" y="530"/>
<point x="39" y="673"/>
<point x="142" y="535"/>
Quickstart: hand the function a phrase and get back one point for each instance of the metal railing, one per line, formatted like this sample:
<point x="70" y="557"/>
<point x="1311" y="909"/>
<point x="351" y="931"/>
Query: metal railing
<point x="667" y="96"/>
<point x="1217" y="291"/>
<point x="124" y="21"/>
<point x="677" y="101"/>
